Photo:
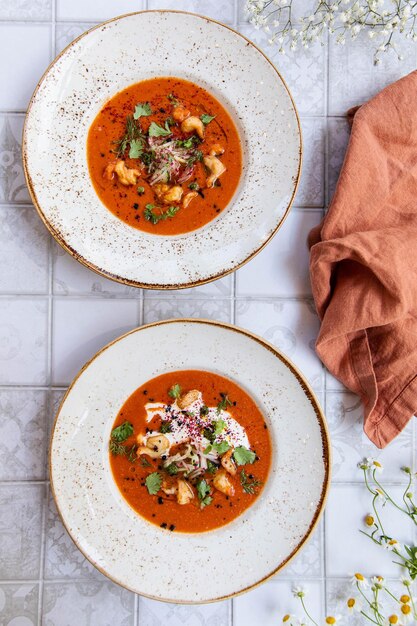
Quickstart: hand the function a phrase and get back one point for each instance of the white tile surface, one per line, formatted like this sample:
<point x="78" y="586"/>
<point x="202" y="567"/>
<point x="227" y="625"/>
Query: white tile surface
<point x="353" y="77"/>
<point x="151" y="613"/>
<point x="44" y="579"/>
<point x="12" y="181"/>
<point x="347" y="550"/>
<point x="222" y="10"/>
<point x="23" y="236"/>
<point x="268" y="604"/>
<point x="23" y="434"/>
<point x="20" y="531"/>
<point x="26" y="10"/>
<point x="87" y="604"/>
<point x="23" y="341"/>
<point x="29" y="45"/>
<point x="291" y="326"/>
<point x="81" y="327"/>
<point x="344" y="413"/>
<point x="95" y="11"/>
<point x="281" y="269"/>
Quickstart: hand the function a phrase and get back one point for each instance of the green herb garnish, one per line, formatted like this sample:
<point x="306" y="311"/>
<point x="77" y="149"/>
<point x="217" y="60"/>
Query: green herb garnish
<point x="144" y="462"/>
<point x="166" y="427"/>
<point x="140" y="190"/>
<point x="209" y="434"/>
<point x="219" y="426"/>
<point x="206" y="118"/>
<point x="122" y="432"/>
<point x="211" y="467"/>
<point x="221" y="447"/>
<point x="136" y="148"/>
<point x="204" y="410"/>
<point x="208" y="449"/>
<point x="172" y="469"/>
<point x="194" y="186"/>
<point x="119" y="449"/>
<point x="132" y="133"/>
<point x="153" y="217"/>
<point x="153" y="483"/>
<point x="172" y="99"/>
<point x="188" y="143"/>
<point x="155" y="130"/>
<point x="249" y="485"/>
<point x="142" y="109"/>
<point x="224" y="403"/>
<point x="175" y="391"/>
<point x="244" y="456"/>
<point x="203" y="491"/>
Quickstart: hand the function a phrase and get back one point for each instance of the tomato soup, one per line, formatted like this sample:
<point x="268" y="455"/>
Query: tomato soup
<point x="190" y="451"/>
<point x="164" y="156"/>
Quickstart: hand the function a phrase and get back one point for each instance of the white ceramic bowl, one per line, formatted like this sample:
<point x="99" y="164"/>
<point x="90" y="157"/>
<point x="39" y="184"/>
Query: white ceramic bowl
<point x="126" y="50"/>
<point x="181" y="567"/>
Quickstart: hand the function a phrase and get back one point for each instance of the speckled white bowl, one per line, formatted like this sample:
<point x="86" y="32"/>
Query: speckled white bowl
<point x="180" y="567"/>
<point x="126" y="50"/>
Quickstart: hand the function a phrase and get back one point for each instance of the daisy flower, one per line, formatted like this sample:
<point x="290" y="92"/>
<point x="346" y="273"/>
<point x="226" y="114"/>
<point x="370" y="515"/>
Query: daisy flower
<point x="299" y="592"/>
<point x="359" y="580"/>
<point x="354" y="605"/>
<point x="378" y="582"/>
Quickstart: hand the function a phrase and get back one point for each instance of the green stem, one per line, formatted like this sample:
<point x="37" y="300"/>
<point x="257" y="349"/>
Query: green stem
<point x="306" y="612"/>
<point x="370" y="618"/>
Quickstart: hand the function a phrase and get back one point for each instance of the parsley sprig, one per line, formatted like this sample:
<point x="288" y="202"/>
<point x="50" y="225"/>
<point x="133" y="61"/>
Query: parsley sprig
<point x="152" y="216"/>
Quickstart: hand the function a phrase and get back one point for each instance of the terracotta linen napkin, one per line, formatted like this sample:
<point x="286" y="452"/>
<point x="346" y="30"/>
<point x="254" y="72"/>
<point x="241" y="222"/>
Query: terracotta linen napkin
<point x="363" y="263"/>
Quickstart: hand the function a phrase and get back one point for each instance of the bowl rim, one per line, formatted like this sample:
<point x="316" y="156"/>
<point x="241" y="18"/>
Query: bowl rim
<point x="325" y="436"/>
<point x="84" y="261"/>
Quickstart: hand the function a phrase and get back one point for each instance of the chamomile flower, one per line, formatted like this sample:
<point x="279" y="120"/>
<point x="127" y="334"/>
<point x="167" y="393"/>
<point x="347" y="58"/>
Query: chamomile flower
<point x="291" y="620"/>
<point x="378" y="581"/>
<point x="365" y="464"/>
<point x="299" y="592"/>
<point x="406" y="581"/>
<point x="381" y="496"/>
<point x="359" y="580"/>
<point x="354" y="605"/>
<point x="390" y="544"/>
<point x="406" y="614"/>
<point x="392" y="620"/>
<point x="377" y="466"/>
<point x="333" y="619"/>
<point x="369" y="520"/>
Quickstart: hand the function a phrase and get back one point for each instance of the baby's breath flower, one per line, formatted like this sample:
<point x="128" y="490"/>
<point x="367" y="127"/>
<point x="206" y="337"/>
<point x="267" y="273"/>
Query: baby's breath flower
<point x="359" y="580"/>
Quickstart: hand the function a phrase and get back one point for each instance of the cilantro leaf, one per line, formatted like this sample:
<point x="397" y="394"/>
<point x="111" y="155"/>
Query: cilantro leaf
<point x="221" y="447"/>
<point x="155" y="130"/>
<point x="244" y="456"/>
<point x="122" y="432"/>
<point x="175" y="391"/>
<point x="219" y="426"/>
<point x="142" y="109"/>
<point x="224" y="402"/>
<point x="203" y="491"/>
<point x="153" y="483"/>
<point x="206" y="118"/>
<point x="166" y="427"/>
<point x="136" y="148"/>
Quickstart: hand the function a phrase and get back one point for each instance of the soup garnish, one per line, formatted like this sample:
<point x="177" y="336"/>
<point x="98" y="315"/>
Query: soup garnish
<point x="170" y="152"/>
<point x="191" y="454"/>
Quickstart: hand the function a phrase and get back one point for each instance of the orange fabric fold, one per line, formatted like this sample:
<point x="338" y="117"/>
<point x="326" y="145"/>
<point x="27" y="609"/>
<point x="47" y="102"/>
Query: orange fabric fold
<point x="363" y="263"/>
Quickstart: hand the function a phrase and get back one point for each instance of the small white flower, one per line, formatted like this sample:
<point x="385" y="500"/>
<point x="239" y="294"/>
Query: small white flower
<point x="390" y="544"/>
<point x="299" y="592"/>
<point x="354" y="605"/>
<point x="360" y="581"/>
<point x="291" y="619"/>
<point x="378" y="582"/>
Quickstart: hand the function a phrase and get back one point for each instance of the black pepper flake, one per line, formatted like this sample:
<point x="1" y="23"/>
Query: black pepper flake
<point x="151" y="399"/>
<point x="265" y="426"/>
<point x="135" y="206"/>
<point x="145" y="392"/>
<point x="153" y="515"/>
<point x="102" y="155"/>
<point x="172" y="527"/>
<point x="160" y="500"/>
<point x="164" y="525"/>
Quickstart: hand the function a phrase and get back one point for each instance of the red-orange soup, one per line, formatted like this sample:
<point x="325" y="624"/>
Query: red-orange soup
<point x="164" y="156"/>
<point x="215" y="472"/>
